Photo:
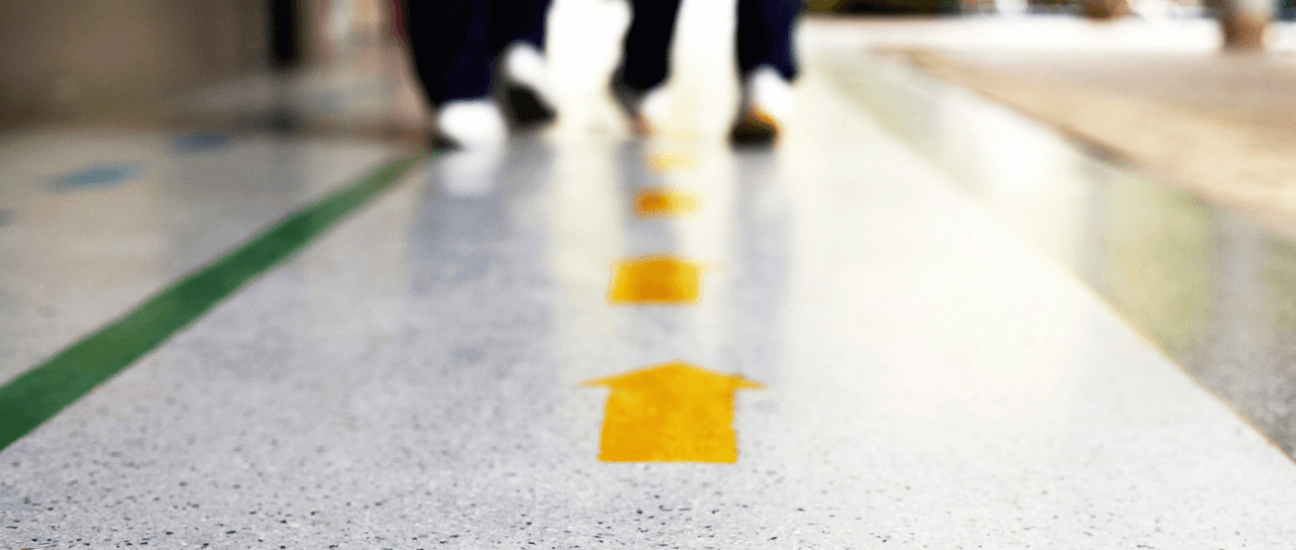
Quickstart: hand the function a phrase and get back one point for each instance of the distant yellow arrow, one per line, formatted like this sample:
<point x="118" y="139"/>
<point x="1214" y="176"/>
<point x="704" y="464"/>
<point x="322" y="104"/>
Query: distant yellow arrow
<point x="663" y="202"/>
<point x="673" y="412"/>
<point x="665" y="162"/>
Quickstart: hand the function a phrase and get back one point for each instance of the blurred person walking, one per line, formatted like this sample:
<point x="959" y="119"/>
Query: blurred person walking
<point x="766" y="64"/>
<point x="459" y="45"/>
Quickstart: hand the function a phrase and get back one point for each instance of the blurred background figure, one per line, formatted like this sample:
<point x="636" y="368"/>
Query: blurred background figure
<point x="766" y="64"/>
<point x="458" y="47"/>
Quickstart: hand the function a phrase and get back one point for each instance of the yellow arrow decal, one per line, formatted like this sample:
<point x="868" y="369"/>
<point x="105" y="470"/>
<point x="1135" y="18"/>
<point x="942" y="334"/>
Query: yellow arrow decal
<point x="655" y="280"/>
<point x="673" y="412"/>
<point x="664" y="202"/>
<point x="665" y="162"/>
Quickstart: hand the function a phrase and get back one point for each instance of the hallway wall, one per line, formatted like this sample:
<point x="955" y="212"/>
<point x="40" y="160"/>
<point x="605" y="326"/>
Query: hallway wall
<point x="62" y="58"/>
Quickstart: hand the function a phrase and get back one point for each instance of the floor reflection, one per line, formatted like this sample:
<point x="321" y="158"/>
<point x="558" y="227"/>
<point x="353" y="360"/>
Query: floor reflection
<point x="1211" y="287"/>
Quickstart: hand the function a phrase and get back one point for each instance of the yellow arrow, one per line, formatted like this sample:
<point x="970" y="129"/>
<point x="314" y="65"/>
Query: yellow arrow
<point x="667" y="161"/>
<point x="662" y="202"/>
<point x="655" y="280"/>
<point x="673" y="412"/>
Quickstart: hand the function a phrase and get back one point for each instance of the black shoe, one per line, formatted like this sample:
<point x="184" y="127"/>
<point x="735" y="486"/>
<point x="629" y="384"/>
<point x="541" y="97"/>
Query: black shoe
<point x="754" y="127"/>
<point x="521" y="97"/>
<point x="526" y="107"/>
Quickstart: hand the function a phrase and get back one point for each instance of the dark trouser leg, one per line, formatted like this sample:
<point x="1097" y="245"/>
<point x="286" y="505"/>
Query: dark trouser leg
<point x="765" y="35"/>
<point x="521" y="20"/>
<point x="451" y="44"/>
<point x="646" y="49"/>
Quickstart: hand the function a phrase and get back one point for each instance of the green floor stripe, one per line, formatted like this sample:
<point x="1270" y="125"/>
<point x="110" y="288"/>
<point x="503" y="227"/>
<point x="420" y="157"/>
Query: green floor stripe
<point x="39" y="394"/>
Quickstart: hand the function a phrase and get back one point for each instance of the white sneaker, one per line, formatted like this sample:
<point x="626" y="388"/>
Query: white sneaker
<point x="525" y="65"/>
<point x="769" y="92"/>
<point x="526" y="83"/>
<point x="655" y="106"/>
<point x="768" y="106"/>
<point x="472" y="123"/>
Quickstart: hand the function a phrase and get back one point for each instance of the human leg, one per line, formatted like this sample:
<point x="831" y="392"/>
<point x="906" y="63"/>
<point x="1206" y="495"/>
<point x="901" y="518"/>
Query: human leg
<point x="520" y="37"/>
<point x="767" y="65"/>
<point x="764" y="36"/>
<point x="639" y="82"/>
<point x="450" y="42"/>
<point x="645" y="60"/>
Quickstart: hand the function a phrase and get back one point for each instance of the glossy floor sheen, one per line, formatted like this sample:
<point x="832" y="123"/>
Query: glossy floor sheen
<point x="1210" y="286"/>
<point x="922" y="376"/>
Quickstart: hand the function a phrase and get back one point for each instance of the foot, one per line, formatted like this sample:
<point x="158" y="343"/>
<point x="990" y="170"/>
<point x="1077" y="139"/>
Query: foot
<point x="768" y="106"/>
<point x="644" y="107"/>
<point x="526" y="85"/>
<point x="470" y="124"/>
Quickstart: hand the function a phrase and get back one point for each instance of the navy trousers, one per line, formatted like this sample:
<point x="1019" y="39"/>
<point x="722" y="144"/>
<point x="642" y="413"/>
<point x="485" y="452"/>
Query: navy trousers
<point x="455" y="42"/>
<point x="764" y="37"/>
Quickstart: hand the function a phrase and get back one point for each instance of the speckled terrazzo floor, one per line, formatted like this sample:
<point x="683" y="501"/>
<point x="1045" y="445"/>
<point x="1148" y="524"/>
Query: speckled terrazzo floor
<point x="935" y="375"/>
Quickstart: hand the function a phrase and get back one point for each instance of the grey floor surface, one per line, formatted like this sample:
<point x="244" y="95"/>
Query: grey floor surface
<point x="414" y="379"/>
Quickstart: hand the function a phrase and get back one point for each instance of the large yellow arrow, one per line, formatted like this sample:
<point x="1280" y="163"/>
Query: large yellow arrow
<point x="673" y="412"/>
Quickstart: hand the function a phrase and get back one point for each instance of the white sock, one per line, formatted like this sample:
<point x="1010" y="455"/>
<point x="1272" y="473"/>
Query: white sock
<point x="472" y="123"/>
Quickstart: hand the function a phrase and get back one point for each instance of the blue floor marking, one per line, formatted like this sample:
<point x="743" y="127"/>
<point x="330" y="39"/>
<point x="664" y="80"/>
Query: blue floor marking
<point x="98" y="175"/>
<point x="202" y="142"/>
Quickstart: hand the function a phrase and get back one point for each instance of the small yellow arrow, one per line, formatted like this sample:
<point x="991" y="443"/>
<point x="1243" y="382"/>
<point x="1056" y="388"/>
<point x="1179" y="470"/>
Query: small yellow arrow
<point x="673" y="412"/>
<point x="655" y="280"/>
<point x="661" y="202"/>
<point x="667" y="161"/>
